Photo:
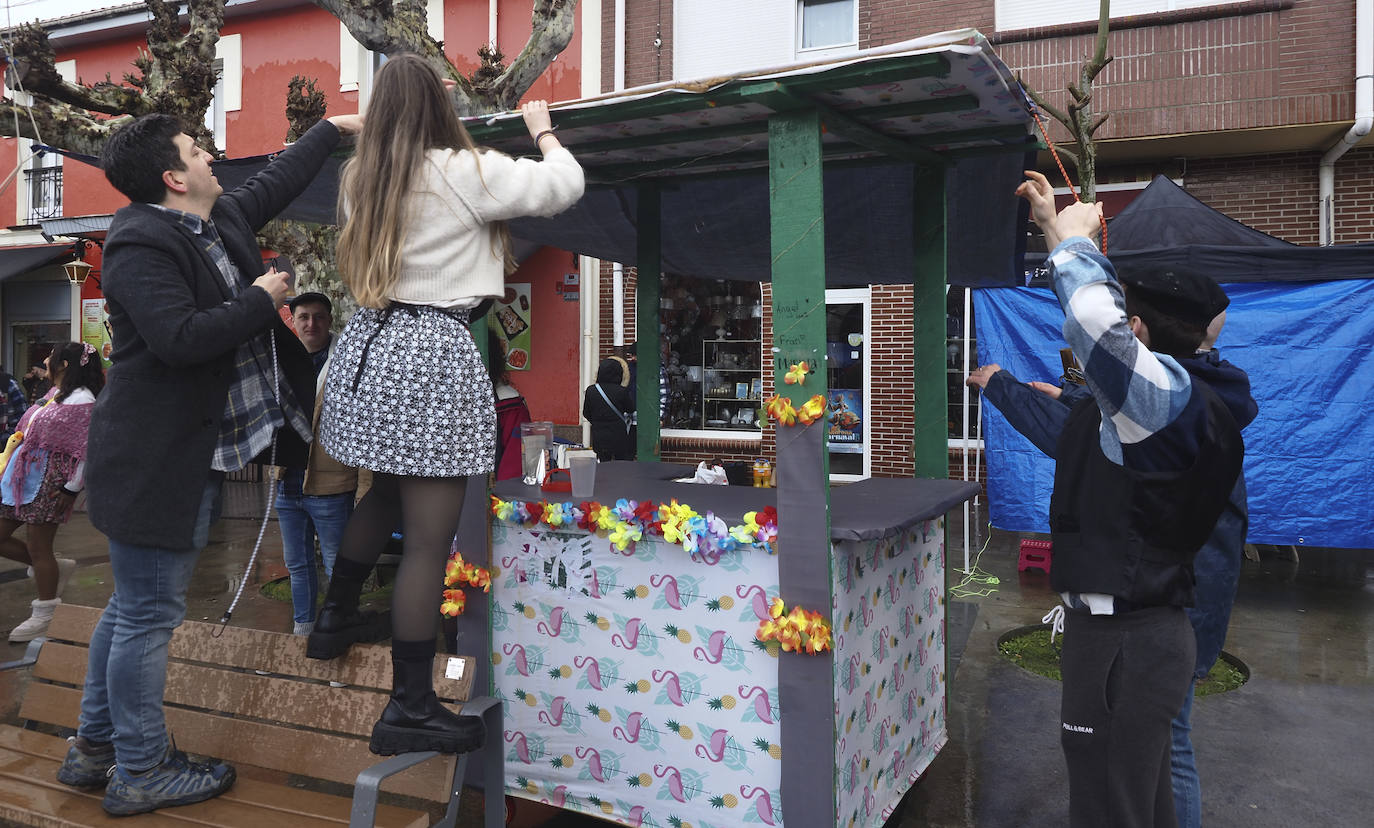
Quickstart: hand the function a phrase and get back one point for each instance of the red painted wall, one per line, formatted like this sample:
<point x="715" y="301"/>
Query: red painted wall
<point x="305" y="41"/>
<point x="550" y="386"/>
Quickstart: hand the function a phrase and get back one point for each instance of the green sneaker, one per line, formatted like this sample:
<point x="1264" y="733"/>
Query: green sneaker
<point x="87" y="766"/>
<point x="177" y="781"/>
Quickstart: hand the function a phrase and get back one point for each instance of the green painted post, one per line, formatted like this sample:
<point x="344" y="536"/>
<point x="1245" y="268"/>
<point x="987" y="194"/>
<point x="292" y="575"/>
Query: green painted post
<point x="930" y="441"/>
<point x="796" y="208"/>
<point x="647" y="283"/>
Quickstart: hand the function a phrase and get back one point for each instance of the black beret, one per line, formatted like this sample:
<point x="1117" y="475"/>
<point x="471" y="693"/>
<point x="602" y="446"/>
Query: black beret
<point x="1184" y="294"/>
<point x="302" y="298"/>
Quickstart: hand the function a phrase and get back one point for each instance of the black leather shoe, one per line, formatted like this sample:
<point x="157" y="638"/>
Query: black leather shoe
<point x="337" y="629"/>
<point x="406" y="728"/>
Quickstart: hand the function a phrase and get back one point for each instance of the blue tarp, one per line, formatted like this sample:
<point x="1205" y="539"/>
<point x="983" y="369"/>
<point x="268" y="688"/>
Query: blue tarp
<point x="1309" y="459"/>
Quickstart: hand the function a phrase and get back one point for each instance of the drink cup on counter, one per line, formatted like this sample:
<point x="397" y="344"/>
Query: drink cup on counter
<point x="535" y="438"/>
<point x="583" y="466"/>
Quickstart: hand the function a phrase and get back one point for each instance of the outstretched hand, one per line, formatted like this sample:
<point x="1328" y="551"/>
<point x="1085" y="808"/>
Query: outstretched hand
<point x="978" y="377"/>
<point x="1077" y="219"/>
<point x="347" y="124"/>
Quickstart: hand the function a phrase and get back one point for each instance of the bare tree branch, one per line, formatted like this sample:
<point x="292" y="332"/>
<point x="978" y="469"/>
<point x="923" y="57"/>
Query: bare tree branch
<point x="393" y="29"/>
<point x="59" y="125"/>
<point x="552" y="32"/>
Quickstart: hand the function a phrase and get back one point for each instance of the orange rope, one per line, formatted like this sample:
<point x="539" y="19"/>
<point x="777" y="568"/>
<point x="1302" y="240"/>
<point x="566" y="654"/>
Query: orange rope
<point x="1055" y="154"/>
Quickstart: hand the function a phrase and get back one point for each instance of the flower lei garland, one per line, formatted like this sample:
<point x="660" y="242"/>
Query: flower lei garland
<point x="796" y="630"/>
<point x="460" y="573"/>
<point x="706" y="537"/>
<point x="780" y="409"/>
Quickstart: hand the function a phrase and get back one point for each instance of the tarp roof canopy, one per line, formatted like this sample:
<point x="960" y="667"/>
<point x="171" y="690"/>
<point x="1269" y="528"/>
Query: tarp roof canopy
<point x="1165" y="225"/>
<point x="944" y="104"/>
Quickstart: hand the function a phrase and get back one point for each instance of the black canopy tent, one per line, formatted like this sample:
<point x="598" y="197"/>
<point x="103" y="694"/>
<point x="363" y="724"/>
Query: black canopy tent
<point x="1165" y="226"/>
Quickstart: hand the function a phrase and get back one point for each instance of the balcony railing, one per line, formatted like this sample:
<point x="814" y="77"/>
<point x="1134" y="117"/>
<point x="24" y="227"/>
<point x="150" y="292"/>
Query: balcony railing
<point x="45" y="194"/>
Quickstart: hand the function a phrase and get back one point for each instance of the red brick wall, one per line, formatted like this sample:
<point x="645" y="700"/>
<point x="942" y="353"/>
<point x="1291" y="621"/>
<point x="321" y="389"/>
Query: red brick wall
<point x="891" y="416"/>
<point x="1244" y="64"/>
<point x="645" y="63"/>
<point x="1273" y="193"/>
<point x="1278" y="193"/>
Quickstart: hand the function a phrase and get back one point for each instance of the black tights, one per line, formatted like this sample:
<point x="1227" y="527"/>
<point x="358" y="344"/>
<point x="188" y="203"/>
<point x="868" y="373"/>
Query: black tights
<point x="427" y="510"/>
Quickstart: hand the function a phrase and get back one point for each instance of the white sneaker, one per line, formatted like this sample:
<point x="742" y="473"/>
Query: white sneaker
<point x="65" y="568"/>
<point x="37" y="623"/>
<point x="303" y="628"/>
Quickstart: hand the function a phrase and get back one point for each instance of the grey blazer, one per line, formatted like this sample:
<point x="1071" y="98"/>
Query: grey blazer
<point x="175" y="329"/>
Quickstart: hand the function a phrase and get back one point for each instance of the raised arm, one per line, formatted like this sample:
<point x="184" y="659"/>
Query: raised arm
<point x="266" y="194"/>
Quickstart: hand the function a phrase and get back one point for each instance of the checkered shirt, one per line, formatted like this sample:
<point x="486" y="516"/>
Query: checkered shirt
<point x="252" y="413"/>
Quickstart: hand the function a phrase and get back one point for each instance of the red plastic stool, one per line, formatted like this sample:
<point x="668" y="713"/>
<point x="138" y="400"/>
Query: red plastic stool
<point x="1036" y="553"/>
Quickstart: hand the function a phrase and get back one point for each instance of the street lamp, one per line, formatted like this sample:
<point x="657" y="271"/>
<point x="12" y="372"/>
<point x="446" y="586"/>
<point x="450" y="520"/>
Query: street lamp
<point x="77" y="271"/>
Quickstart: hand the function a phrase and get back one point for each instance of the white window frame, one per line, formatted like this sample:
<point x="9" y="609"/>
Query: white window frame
<point x="23" y="201"/>
<point x="228" y="95"/>
<point x="832" y="50"/>
<point x="358" y="65"/>
<point x="1013" y="15"/>
<point x="859" y="296"/>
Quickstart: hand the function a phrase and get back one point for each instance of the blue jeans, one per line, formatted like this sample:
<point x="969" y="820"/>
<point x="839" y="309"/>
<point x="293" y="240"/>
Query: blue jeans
<point x="127" y="669"/>
<point x="301" y="517"/>
<point x="1183" y="768"/>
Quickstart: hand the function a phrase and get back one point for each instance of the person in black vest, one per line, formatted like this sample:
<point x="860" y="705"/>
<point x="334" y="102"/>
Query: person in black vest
<point x="1145" y="467"/>
<point x="191" y="395"/>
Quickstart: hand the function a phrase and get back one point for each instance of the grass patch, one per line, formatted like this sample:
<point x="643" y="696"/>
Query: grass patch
<point x="1031" y="650"/>
<point x="280" y="590"/>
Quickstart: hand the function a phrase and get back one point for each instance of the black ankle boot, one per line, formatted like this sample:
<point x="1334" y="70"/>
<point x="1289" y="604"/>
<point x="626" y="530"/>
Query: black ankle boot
<point x="340" y="623"/>
<point x="414" y="719"/>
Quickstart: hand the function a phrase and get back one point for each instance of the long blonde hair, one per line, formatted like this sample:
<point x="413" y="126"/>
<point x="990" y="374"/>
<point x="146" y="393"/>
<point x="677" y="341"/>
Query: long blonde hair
<point x="410" y="112"/>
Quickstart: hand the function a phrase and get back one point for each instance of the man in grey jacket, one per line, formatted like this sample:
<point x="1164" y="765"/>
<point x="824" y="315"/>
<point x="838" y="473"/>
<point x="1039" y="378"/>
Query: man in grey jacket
<point x="205" y="379"/>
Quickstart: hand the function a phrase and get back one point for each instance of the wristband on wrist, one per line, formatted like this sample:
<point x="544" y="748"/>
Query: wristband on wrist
<point x="540" y="136"/>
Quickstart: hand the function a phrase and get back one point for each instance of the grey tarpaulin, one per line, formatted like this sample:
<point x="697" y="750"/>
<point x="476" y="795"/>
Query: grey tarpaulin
<point x="716" y="227"/>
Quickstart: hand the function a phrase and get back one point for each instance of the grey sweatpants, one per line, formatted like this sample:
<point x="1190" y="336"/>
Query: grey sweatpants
<point x="1125" y="677"/>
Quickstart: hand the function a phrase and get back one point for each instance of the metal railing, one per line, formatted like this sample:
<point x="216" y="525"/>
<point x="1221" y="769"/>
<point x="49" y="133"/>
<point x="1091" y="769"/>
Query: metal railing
<point x="45" y="193"/>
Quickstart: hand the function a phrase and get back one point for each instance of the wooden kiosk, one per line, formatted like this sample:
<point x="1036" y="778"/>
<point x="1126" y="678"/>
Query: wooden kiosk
<point x="634" y="686"/>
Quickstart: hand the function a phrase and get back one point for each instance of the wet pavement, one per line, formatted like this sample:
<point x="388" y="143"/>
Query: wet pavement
<point x="1290" y="747"/>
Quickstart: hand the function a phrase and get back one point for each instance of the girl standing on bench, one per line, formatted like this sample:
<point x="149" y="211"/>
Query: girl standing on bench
<point x="407" y="395"/>
<point x="44" y="475"/>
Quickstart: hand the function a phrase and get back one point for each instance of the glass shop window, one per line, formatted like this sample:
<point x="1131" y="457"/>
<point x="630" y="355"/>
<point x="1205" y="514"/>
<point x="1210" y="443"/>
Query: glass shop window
<point x="712" y="354"/>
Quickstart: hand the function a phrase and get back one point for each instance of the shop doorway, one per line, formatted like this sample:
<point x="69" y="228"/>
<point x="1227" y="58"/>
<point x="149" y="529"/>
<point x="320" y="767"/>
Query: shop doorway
<point x="30" y="343"/>
<point x="848" y="319"/>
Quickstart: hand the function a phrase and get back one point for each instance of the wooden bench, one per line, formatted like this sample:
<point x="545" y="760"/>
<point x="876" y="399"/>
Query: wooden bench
<point x="252" y="698"/>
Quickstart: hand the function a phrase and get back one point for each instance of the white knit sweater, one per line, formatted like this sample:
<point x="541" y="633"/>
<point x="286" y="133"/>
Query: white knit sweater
<point x="447" y="259"/>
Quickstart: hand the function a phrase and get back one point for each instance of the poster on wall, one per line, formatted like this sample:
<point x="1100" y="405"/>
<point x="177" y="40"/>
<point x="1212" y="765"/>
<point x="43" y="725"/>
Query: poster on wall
<point x="510" y="319"/>
<point x="847" y="420"/>
<point x="95" y="328"/>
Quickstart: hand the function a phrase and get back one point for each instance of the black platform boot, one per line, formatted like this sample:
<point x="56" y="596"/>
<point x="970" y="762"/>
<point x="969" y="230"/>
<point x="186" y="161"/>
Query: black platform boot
<point x="414" y="719"/>
<point x="340" y="622"/>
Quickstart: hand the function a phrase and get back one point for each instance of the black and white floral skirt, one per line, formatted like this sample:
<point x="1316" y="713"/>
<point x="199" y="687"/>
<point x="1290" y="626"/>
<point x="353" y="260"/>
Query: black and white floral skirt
<point x="407" y="393"/>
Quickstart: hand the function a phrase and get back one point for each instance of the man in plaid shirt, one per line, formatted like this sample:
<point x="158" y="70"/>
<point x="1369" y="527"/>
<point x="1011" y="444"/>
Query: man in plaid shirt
<point x="1144" y="468"/>
<point x="205" y="378"/>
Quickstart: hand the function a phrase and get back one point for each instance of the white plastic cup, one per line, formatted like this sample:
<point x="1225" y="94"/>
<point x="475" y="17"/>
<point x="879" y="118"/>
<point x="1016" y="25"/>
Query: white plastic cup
<point x="534" y="439"/>
<point x="583" y="466"/>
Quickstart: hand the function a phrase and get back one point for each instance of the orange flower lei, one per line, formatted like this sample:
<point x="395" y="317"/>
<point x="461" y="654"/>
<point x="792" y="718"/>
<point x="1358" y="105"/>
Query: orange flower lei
<point x="797" y="630"/>
<point x="460" y="573"/>
<point x="780" y="409"/>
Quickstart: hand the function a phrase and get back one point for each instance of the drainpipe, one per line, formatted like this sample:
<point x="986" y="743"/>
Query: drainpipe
<point x="618" y="303"/>
<point x="1364" y="120"/>
<point x="619" y="45"/>
<point x="618" y="269"/>
<point x="491" y="24"/>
